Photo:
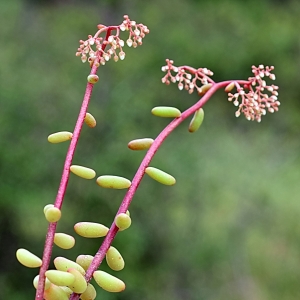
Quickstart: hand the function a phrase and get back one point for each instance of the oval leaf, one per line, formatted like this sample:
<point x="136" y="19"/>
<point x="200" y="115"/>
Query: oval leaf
<point x="114" y="259"/>
<point x="90" y="229"/>
<point x="79" y="285"/>
<point x="28" y="259"/>
<point x="84" y="260"/>
<point x="89" y="293"/>
<point x="113" y="182"/>
<point x="83" y="172"/>
<point x="60" y="278"/>
<point x="160" y="176"/>
<point x="166" y="112"/>
<point x="90" y="120"/>
<point x="197" y="120"/>
<point x="63" y="264"/>
<point x="60" y="137"/>
<point x="140" y="144"/>
<point x="52" y="214"/>
<point x="109" y="282"/>
<point x="64" y="241"/>
<point x="123" y="221"/>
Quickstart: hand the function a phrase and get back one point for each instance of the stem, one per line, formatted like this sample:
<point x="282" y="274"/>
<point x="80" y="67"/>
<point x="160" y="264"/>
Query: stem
<point x="63" y="186"/>
<point x="66" y="173"/>
<point x="140" y="173"/>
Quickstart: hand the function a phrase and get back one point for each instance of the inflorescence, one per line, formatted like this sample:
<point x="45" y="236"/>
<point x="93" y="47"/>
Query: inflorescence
<point x="188" y="78"/>
<point x="94" y="46"/>
<point x="70" y="279"/>
<point x="254" y="98"/>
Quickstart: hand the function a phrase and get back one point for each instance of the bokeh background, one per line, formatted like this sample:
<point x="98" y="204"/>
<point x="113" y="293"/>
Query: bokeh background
<point x="230" y="227"/>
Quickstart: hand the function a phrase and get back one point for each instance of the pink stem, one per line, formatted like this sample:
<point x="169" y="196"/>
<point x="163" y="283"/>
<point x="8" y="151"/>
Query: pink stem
<point x="65" y="177"/>
<point x="62" y="188"/>
<point x="66" y="173"/>
<point x="140" y="173"/>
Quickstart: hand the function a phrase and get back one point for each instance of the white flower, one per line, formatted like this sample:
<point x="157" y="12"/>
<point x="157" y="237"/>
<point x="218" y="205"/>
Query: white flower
<point x="129" y="42"/>
<point x="122" y="55"/>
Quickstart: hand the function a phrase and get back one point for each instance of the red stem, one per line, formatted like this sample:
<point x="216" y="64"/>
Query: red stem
<point x="62" y="188"/>
<point x="65" y="176"/>
<point x="140" y="173"/>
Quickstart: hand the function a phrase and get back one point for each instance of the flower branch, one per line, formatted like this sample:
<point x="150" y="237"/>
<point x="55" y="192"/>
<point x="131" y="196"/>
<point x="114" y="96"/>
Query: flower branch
<point x="95" y="57"/>
<point x="253" y="97"/>
<point x="189" y="77"/>
<point x="95" y="45"/>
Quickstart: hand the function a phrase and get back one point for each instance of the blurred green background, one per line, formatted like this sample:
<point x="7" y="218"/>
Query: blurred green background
<point x="229" y="228"/>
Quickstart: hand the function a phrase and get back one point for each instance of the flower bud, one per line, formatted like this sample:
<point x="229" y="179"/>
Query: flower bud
<point x="83" y="172"/>
<point x="114" y="259"/>
<point x="64" y="241"/>
<point x="160" y="176"/>
<point x="109" y="282"/>
<point x="166" y="112"/>
<point x="197" y="120"/>
<point x="113" y="182"/>
<point x="122" y="55"/>
<point x="123" y="221"/>
<point x="60" y="137"/>
<point x="140" y="144"/>
<point x="129" y="42"/>
<point x="90" y="230"/>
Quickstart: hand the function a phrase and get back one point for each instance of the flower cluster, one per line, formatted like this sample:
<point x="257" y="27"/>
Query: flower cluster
<point x="256" y="98"/>
<point x="112" y="45"/>
<point x="188" y="78"/>
<point x="253" y="97"/>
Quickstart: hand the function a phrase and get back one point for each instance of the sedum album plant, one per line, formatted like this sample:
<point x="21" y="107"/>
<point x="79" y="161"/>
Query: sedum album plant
<point x="253" y="97"/>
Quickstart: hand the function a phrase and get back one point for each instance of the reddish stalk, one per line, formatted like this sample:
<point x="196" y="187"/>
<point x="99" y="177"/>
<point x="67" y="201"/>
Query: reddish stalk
<point x="62" y="187"/>
<point x="95" y="58"/>
<point x="100" y="255"/>
<point x="65" y="176"/>
<point x="250" y="99"/>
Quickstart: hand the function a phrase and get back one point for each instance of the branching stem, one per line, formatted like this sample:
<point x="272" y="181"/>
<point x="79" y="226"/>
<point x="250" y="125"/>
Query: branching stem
<point x="98" y="258"/>
<point x="65" y="176"/>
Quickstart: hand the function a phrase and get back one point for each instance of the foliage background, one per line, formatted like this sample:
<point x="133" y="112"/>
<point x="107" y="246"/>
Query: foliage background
<point x="230" y="227"/>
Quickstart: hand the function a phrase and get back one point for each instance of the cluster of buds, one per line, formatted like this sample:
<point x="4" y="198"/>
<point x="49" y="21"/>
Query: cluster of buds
<point x="255" y="98"/>
<point x="111" y="46"/>
<point x="188" y="78"/>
